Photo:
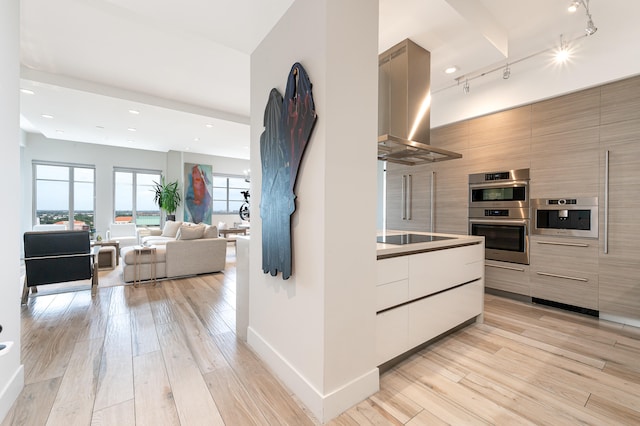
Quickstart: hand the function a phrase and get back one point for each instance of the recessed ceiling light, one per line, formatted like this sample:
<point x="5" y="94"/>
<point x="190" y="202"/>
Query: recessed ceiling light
<point x="47" y="116"/>
<point x="196" y="139"/>
<point x="129" y="140"/>
<point x="187" y="148"/>
<point x="134" y="112"/>
<point x="131" y="129"/>
<point x="208" y="126"/>
<point x="28" y="92"/>
<point x="59" y="131"/>
<point x="451" y="69"/>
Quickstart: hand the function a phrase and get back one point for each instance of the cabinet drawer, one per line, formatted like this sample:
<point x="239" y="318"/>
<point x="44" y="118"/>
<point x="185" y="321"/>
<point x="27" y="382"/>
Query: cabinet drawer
<point x="391" y="294"/>
<point x="392" y="336"/>
<point x="577" y="254"/>
<point x="394" y="269"/>
<point x="509" y="277"/>
<point x="565" y="286"/>
<point x="432" y="316"/>
<point x="438" y="270"/>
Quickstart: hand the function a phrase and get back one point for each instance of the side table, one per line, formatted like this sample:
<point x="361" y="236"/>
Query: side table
<point x="139" y="252"/>
<point x="104" y="243"/>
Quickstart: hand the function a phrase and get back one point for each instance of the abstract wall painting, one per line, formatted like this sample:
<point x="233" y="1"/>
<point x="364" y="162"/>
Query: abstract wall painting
<point x="198" y="200"/>
<point x="288" y="123"/>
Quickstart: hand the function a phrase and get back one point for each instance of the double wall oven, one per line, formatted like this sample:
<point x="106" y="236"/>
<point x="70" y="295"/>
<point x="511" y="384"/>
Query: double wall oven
<point x="499" y="211"/>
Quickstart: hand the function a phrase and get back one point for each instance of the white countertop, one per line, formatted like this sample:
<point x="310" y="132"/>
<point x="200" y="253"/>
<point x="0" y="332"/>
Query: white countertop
<point x="389" y="250"/>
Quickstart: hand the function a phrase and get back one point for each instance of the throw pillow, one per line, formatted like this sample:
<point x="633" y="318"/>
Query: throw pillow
<point x="171" y="228"/>
<point x="222" y="225"/>
<point x="210" y="231"/>
<point x="190" y="232"/>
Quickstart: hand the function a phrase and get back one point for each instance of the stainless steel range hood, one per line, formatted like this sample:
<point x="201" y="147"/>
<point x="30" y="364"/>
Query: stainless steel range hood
<point x="404" y="105"/>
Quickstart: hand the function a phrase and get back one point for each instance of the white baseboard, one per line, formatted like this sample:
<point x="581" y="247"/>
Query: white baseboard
<point x="11" y="391"/>
<point x="323" y="406"/>
<point x="620" y="319"/>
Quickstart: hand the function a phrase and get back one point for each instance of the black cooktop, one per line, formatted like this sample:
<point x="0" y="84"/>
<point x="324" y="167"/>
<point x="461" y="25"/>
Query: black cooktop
<point x="410" y="239"/>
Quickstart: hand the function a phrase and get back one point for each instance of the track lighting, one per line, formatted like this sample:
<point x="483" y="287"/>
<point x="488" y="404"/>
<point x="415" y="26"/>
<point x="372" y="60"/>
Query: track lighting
<point x="506" y="73"/>
<point x="574" y="5"/>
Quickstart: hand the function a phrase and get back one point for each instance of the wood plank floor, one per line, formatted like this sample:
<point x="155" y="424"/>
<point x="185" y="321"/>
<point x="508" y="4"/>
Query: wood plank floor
<point x="168" y="355"/>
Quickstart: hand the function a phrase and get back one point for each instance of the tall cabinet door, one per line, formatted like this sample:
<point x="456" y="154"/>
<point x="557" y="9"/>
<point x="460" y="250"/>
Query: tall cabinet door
<point x="619" y="255"/>
<point x="408" y="205"/>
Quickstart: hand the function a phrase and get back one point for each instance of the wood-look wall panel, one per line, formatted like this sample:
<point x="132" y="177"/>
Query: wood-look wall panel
<point x="566" y="113"/>
<point x="621" y="101"/>
<point x="619" y="288"/>
<point x="453" y="137"/>
<point x="505" y="155"/>
<point x="510" y="126"/>
<point x="565" y="164"/>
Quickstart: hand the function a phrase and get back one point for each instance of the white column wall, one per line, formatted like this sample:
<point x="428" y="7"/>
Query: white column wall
<point x="316" y="329"/>
<point x="11" y="371"/>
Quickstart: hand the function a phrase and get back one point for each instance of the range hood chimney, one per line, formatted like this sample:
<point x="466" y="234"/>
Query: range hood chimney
<point x="404" y="91"/>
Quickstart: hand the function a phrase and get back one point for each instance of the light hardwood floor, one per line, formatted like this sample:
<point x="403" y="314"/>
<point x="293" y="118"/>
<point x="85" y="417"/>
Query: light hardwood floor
<point x="168" y="355"/>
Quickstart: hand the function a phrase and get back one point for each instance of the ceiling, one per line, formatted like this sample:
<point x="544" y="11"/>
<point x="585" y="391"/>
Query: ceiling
<point x="184" y="66"/>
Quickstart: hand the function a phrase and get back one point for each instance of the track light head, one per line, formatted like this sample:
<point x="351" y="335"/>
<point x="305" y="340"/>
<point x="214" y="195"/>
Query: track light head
<point x="465" y="87"/>
<point x="506" y="73"/>
<point x="591" y="28"/>
<point x="573" y="6"/>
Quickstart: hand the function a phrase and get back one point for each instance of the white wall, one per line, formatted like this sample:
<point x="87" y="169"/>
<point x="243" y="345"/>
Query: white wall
<point x="11" y="371"/>
<point x="316" y="330"/>
<point x="105" y="158"/>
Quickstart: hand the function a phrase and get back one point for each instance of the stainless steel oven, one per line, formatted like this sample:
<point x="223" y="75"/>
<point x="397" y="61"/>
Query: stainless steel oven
<point x="569" y="217"/>
<point x="499" y="211"/>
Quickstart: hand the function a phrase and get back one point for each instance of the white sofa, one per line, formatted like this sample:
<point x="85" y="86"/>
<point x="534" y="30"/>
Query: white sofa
<point x="176" y="257"/>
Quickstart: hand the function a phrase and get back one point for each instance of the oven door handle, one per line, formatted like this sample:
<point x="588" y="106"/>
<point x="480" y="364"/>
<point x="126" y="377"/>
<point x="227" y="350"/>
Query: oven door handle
<point x="500" y="222"/>
<point x="509" y="184"/>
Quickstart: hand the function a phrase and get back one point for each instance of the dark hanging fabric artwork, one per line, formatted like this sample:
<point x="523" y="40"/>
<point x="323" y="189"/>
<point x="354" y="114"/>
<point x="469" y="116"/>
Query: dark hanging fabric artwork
<point x="288" y="124"/>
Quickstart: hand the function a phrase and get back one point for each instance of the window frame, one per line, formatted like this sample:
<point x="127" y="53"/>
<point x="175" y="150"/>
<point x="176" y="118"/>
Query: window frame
<point x="227" y="176"/>
<point x="71" y="182"/>
<point x="134" y="192"/>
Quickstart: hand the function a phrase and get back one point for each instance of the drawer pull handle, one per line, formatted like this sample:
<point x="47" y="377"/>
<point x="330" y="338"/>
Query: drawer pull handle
<point x="555" y="243"/>
<point x="511" y="268"/>
<point x="566" y="277"/>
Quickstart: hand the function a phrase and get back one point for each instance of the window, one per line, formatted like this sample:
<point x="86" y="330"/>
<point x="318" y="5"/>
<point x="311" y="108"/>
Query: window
<point x="227" y="198"/>
<point x="62" y="191"/>
<point x="133" y="197"/>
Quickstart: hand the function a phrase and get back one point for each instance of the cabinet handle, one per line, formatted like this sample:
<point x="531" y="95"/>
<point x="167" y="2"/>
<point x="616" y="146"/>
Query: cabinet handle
<point x="403" y="198"/>
<point x="431" y="199"/>
<point x="566" y="277"/>
<point x="511" y="268"/>
<point x="409" y="196"/>
<point x="606" y="202"/>
<point x="556" y="243"/>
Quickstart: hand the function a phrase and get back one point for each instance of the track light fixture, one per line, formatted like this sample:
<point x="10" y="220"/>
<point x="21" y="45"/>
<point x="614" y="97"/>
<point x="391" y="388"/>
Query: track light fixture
<point x="590" y="29"/>
<point x="506" y="73"/>
<point x="465" y="87"/>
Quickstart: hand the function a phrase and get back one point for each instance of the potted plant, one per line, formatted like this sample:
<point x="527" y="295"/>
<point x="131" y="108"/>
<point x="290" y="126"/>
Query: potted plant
<point x="167" y="197"/>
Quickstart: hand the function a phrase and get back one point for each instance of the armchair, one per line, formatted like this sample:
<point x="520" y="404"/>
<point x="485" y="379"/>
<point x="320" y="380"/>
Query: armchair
<point x="125" y="233"/>
<point x="52" y="257"/>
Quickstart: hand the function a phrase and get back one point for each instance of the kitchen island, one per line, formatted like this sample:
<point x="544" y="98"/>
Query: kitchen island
<point x="428" y="283"/>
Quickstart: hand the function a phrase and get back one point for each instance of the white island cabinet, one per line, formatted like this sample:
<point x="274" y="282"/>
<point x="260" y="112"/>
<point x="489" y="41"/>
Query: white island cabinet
<point x="425" y="289"/>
